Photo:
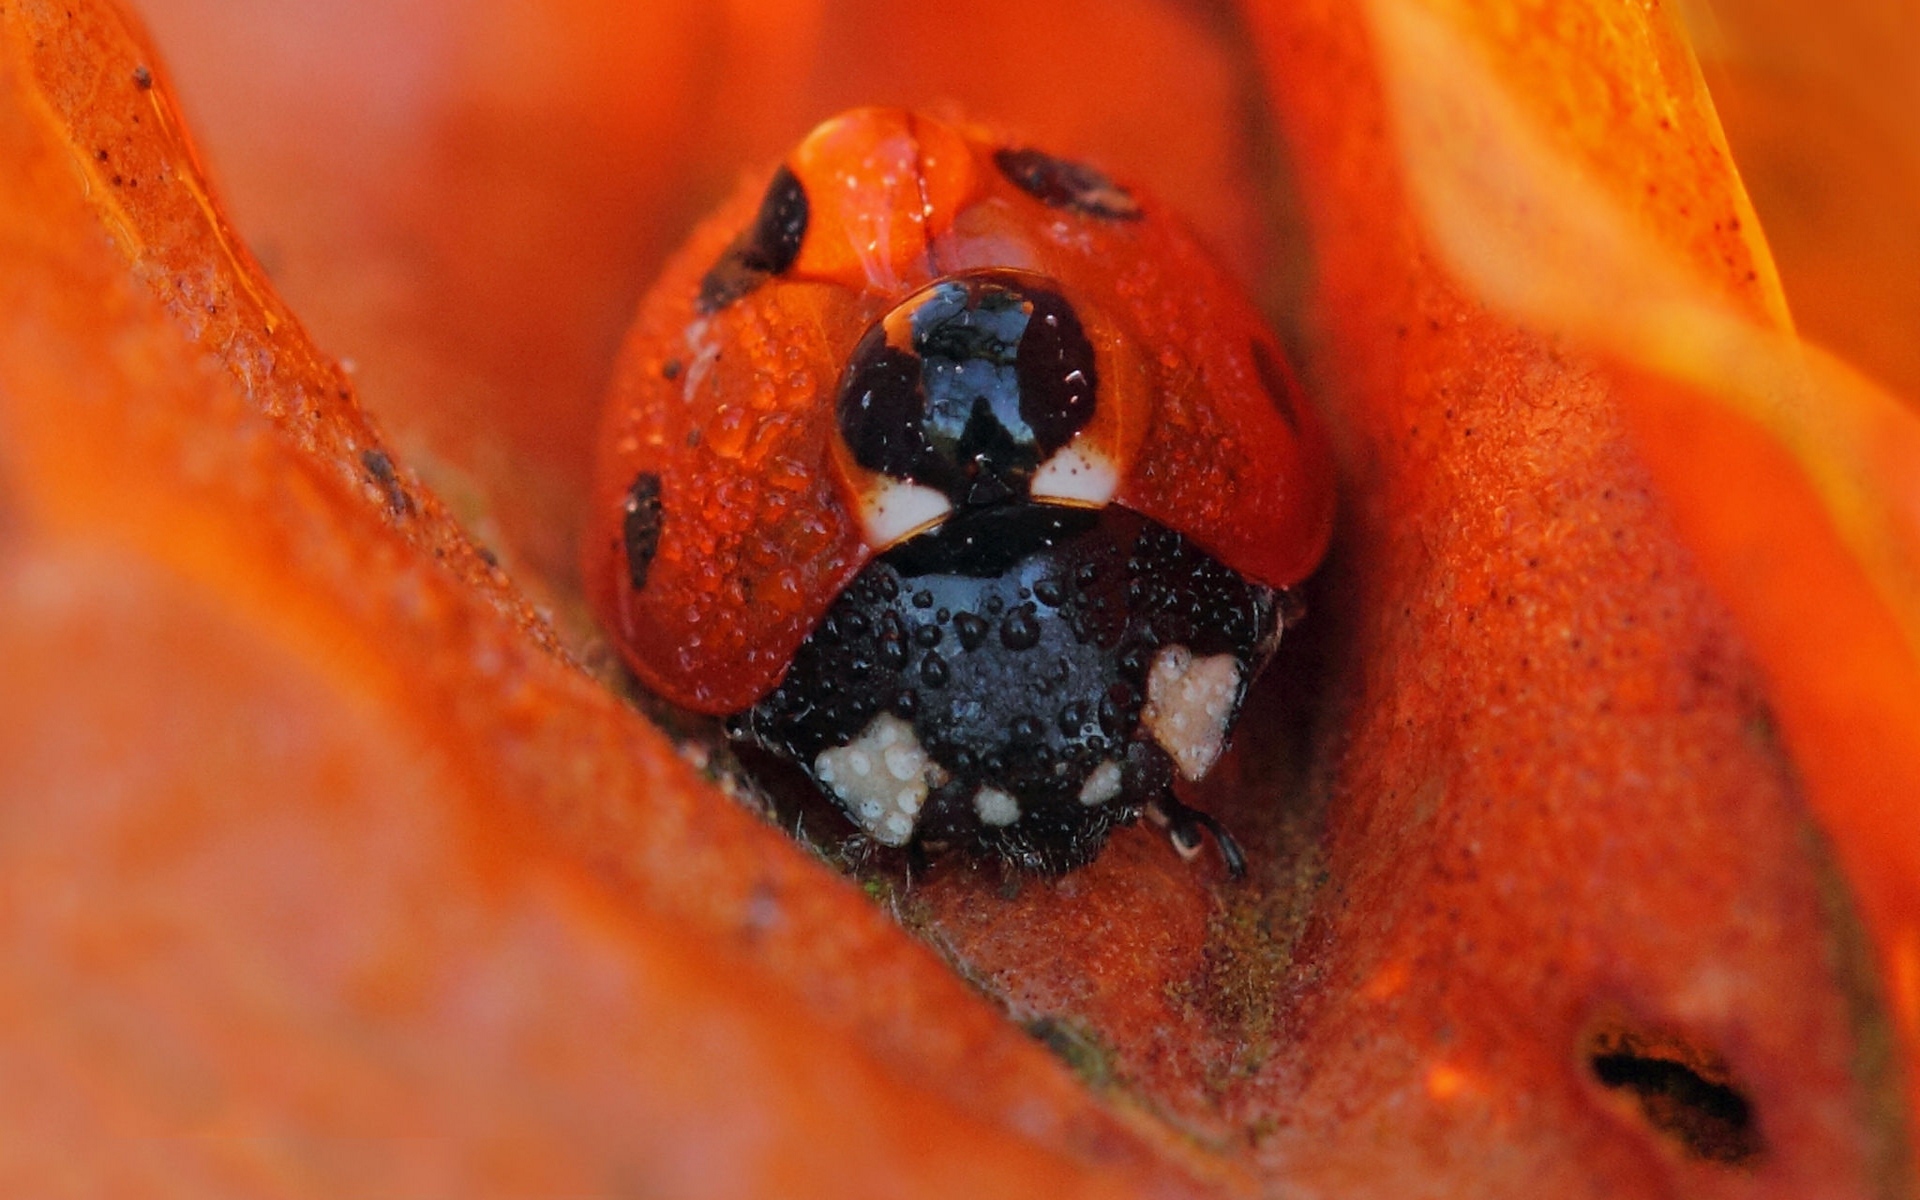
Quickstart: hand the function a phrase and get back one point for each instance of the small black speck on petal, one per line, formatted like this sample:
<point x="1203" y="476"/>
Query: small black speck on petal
<point x="381" y="468"/>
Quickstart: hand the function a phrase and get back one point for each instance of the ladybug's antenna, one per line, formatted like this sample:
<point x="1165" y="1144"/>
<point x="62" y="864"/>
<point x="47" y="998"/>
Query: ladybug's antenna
<point x="1183" y="825"/>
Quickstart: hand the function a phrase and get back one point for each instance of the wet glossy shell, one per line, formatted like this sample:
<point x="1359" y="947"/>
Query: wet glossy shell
<point x="724" y="519"/>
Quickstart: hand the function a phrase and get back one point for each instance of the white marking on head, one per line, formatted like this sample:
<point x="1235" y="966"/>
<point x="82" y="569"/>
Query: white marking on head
<point x="895" y="510"/>
<point x="996" y="807"/>
<point x="881" y="778"/>
<point x="1102" y="785"/>
<point x="1190" y="702"/>
<point x="1075" y="476"/>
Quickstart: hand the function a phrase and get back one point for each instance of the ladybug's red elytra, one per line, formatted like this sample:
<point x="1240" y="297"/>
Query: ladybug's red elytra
<point x="960" y="476"/>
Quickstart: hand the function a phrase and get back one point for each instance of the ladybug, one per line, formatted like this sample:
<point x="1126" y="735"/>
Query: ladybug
<point x="960" y="476"/>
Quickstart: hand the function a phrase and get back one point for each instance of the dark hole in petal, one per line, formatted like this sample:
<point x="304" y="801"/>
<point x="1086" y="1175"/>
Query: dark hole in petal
<point x="764" y="249"/>
<point x="1686" y="1094"/>
<point x="641" y="528"/>
<point x="1062" y="183"/>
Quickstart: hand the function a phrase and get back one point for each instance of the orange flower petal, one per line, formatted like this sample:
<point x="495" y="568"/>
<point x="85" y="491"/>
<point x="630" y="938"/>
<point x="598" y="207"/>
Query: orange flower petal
<point x="1521" y="823"/>
<point x="335" y="873"/>
<point x="1813" y="536"/>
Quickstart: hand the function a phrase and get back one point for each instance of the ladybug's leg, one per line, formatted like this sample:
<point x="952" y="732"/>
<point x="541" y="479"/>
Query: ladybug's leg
<point x="1183" y="826"/>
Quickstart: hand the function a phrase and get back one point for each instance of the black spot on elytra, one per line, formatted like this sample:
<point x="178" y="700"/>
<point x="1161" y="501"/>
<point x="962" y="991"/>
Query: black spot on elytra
<point x="641" y="528"/>
<point x="142" y="78"/>
<point x="1063" y="183"/>
<point x="1275" y="379"/>
<point x="764" y="249"/>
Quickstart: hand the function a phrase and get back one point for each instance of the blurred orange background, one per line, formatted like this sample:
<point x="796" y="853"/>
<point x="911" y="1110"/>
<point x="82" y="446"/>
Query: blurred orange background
<point x="340" y="860"/>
